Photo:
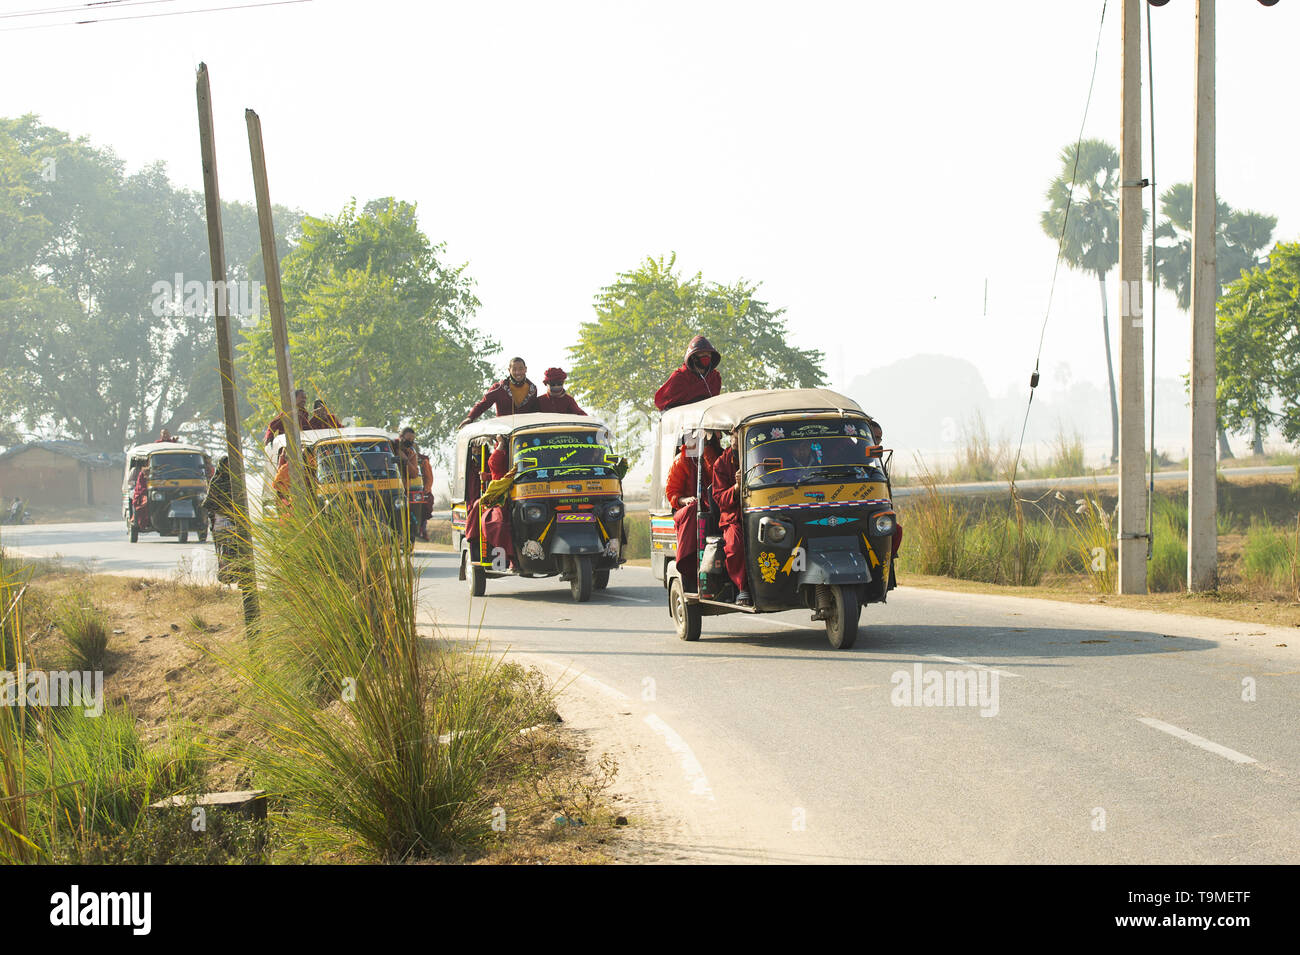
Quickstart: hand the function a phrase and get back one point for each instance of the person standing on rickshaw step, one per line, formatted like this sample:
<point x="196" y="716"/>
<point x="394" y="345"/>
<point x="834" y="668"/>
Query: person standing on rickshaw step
<point x="514" y="394"/>
<point x="726" y="497"/>
<point x="555" y="400"/>
<point x="695" y="380"/>
<point x="685" y="477"/>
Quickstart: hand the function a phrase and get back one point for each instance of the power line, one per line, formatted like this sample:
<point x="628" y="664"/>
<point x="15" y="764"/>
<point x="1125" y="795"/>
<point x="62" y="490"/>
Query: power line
<point x="150" y="16"/>
<point x="97" y="4"/>
<point x="1060" y="247"/>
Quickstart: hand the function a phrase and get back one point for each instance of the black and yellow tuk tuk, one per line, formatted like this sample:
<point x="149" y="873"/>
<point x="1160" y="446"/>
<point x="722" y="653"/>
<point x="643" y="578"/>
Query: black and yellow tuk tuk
<point x="561" y="515"/>
<point x="171" y="503"/>
<point x="815" y="515"/>
<point x="361" y="463"/>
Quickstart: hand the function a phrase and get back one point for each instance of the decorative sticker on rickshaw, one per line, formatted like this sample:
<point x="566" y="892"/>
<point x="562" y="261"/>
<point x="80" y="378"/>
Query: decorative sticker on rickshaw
<point x="575" y="518"/>
<point x="833" y="521"/>
<point x="768" y="566"/>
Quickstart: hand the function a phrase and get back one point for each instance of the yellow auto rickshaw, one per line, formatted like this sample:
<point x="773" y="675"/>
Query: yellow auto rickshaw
<point x="816" y="516"/>
<point x="561" y="515"/>
<point x="171" y="502"/>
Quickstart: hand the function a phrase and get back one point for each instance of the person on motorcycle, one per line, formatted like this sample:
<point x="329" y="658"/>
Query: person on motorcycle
<point x="695" y="380"/>
<point x="726" y="497"/>
<point x="514" y="394"/>
<point x="554" y="399"/>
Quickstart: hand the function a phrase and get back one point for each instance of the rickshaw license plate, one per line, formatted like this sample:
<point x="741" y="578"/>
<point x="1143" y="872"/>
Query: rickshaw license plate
<point x="576" y="518"/>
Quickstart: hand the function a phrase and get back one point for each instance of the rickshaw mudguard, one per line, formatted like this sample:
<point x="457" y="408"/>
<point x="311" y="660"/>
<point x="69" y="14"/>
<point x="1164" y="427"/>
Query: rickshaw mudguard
<point x="576" y="540"/>
<point x="834" y="561"/>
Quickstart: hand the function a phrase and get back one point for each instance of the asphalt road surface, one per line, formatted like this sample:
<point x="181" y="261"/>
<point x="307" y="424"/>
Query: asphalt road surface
<point x="1097" y="735"/>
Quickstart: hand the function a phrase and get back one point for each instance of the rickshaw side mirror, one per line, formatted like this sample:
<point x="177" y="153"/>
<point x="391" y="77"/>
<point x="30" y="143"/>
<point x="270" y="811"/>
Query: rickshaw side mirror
<point x="774" y="463"/>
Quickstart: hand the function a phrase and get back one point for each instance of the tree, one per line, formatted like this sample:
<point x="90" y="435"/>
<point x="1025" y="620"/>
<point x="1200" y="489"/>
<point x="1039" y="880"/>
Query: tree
<point x="1258" y="344"/>
<point x="1085" y="221"/>
<point x="378" y="325"/>
<point x="644" y="321"/>
<point x="1240" y="239"/>
<point x="88" y="351"/>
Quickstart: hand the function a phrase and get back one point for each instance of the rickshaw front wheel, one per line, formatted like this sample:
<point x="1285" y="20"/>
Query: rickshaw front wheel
<point x="134" y="531"/>
<point x="185" y="535"/>
<point x="600" y="578"/>
<point x="686" y="616"/>
<point x="842" y="621"/>
<point x="580" y="583"/>
<point x="476" y="575"/>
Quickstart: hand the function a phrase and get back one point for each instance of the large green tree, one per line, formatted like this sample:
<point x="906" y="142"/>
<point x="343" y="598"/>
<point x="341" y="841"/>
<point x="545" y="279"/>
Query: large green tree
<point x="1089" y="216"/>
<point x="1258" y="344"/>
<point x="379" y="326"/>
<point x="90" y="349"/>
<point x="645" y="319"/>
<point x="1240" y="241"/>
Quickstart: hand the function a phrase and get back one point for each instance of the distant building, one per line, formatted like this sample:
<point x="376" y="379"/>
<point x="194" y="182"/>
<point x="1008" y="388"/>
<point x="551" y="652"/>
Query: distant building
<point x="61" y="474"/>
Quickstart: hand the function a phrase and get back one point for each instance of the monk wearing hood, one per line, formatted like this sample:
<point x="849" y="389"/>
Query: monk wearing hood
<point x="695" y="380"/>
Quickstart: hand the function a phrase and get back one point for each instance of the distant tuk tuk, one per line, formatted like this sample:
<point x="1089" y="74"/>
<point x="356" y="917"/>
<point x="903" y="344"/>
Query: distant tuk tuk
<point x="815" y="510"/>
<point x="170" y="504"/>
<point x="362" y="463"/>
<point x="563" y="512"/>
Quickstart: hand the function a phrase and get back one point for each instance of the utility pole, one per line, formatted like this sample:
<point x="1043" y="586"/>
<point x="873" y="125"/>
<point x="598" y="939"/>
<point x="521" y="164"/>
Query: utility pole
<point x="1202" y="493"/>
<point x="1132" y="577"/>
<point x="241" y="551"/>
<point x="275" y="297"/>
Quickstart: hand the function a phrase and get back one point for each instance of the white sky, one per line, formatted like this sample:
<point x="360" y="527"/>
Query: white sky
<point x="871" y="163"/>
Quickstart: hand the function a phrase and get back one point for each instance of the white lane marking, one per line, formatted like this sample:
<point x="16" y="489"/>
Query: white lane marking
<point x="691" y="767"/>
<point x="973" y="666"/>
<point x="1195" y="740"/>
<point x="639" y="600"/>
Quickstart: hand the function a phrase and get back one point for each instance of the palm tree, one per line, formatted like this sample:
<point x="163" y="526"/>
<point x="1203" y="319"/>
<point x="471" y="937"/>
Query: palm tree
<point x="1090" y="237"/>
<point x="1241" y="238"/>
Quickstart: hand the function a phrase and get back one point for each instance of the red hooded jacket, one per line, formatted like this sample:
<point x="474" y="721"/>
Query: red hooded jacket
<point x="686" y="384"/>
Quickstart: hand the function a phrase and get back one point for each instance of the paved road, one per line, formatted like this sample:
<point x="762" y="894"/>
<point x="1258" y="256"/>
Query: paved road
<point x="1110" y="735"/>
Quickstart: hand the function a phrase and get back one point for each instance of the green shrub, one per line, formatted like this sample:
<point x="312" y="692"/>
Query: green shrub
<point x="84" y="632"/>
<point x="1269" y="556"/>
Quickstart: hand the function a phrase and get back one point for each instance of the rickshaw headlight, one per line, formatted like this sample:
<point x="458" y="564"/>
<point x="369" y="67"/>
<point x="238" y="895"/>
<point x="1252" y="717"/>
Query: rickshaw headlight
<point x="534" y="512"/>
<point x="614" y="511"/>
<point x="399" y="502"/>
<point x="772" y="531"/>
<point x="883" y="524"/>
<point x="157" y="495"/>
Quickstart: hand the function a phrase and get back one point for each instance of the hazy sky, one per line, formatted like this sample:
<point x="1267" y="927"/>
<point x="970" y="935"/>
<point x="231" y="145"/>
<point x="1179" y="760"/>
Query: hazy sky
<point x="872" y="164"/>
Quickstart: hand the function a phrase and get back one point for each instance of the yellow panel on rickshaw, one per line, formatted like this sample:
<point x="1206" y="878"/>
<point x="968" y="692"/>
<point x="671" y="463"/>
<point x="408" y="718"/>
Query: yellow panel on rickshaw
<point x="530" y="489"/>
<point x="814" y="494"/>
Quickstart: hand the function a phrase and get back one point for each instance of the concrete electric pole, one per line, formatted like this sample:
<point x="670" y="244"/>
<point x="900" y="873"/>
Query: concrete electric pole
<point x="1132" y="577"/>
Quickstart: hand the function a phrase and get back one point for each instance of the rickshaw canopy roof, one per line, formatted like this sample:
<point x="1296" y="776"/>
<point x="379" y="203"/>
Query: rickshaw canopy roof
<point x="723" y="412"/>
<point x="144" y="450"/>
<point x="316" y="436"/>
<point x="509" y="424"/>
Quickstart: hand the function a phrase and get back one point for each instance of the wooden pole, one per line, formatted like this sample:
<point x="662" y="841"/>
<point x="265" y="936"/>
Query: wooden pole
<point x="275" y="297"/>
<point x="230" y="409"/>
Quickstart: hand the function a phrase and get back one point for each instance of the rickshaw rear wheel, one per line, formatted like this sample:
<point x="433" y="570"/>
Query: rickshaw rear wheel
<point x="600" y="578"/>
<point x="580" y="584"/>
<point x="476" y="575"/>
<point x="842" y="622"/>
<point x="134" y="532"/>
<point x="185" y="535"/>
<point x="686" y="616"/>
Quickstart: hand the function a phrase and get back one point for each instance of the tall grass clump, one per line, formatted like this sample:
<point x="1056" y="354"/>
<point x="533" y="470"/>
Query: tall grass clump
<point x="1167" y="569"/>
<point x="1271" y="556"/>
<point x="638" y="535"/>
<point x="374" y="741"/>
<point x="935" y="531"/>
<point x="16" y="843"/>
<point x="1093" y="538"/>
<point x="84" y="632"/>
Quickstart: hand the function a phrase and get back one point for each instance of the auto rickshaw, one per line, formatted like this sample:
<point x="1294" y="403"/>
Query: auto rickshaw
<point x="360" y="462"/>
<point x="564" y="509"/>
<point x="816" y="511"/>
<point x="177" y="487"/>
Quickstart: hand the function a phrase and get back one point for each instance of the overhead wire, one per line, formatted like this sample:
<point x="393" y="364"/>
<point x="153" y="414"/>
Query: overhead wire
<point x="150" y="16"/>
<point x="1060" y="247"/>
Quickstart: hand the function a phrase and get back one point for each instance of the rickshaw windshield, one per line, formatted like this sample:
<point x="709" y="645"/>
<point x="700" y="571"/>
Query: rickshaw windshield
<point x="360" y="461"/>
<point x="540" y="457"/>
<point x="791" y="452"/>
<point x="176" y="464"/>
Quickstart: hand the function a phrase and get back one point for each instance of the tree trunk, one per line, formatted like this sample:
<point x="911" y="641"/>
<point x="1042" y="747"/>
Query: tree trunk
<point x="1225" y="449"/>
<point x="1110" y="370"/>
<point x="1257" y="441"/>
